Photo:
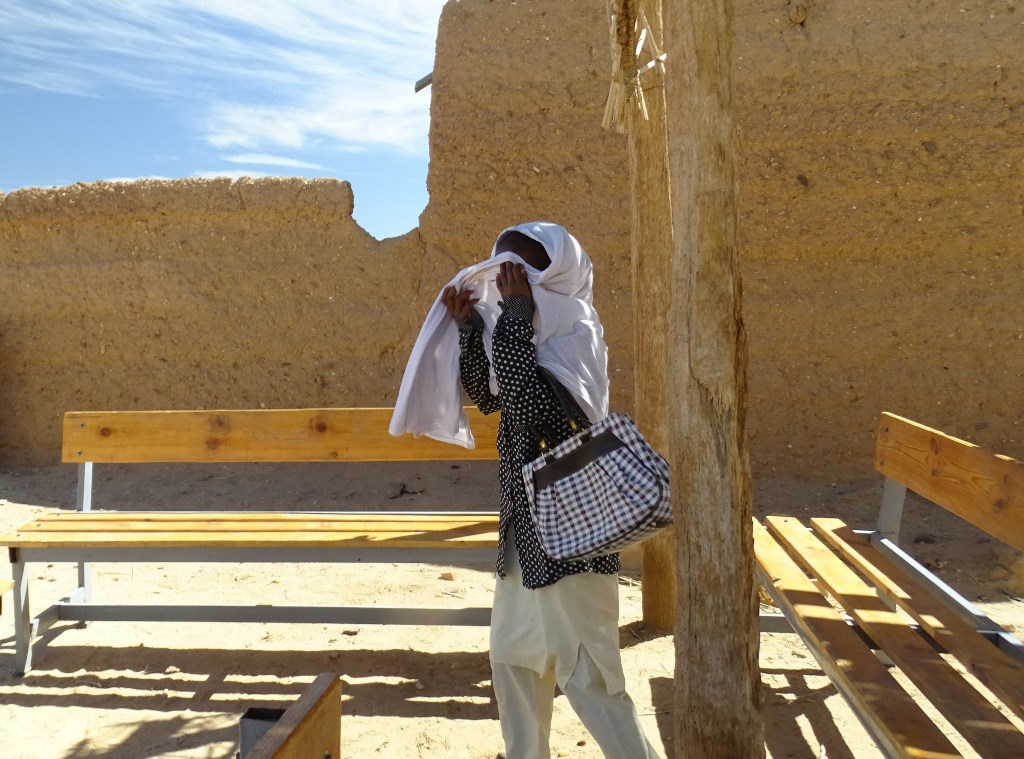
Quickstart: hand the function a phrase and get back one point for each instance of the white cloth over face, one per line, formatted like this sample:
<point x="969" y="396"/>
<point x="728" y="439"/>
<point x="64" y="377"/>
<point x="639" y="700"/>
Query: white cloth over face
<point x="567" y="332"/>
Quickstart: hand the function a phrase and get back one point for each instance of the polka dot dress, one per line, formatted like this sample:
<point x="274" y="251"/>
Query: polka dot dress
<point x="526" y="402"/>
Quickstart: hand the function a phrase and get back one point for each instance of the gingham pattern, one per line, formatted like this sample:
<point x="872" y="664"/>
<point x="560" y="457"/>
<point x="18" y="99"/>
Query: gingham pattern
<point x="614" y="502"/>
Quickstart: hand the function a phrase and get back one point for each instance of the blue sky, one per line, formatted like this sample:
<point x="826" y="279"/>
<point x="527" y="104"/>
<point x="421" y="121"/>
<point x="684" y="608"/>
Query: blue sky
<point x="129" y="89"/>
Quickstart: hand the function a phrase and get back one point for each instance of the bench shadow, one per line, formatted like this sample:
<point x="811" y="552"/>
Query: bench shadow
<point x="152" y="737"/>
<point x="396" y="683"/>
<point x="785" y="705"/>
<point x="783" y="709"/>
<point x="187" y="692"/>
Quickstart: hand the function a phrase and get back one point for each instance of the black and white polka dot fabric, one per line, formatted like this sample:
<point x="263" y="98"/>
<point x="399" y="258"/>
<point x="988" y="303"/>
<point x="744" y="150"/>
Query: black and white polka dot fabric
<point x="525" y="400"/>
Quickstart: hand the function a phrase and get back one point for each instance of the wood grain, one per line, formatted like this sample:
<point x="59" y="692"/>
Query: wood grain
<point x="255" y="530"/>
<point x="310" y="728"/>
<point x="995" y="669"/>
<point x="327" y="434"/>
<point x="974" y="717"/>
<point x="893" y="715"/>
<point x="984" y="488"/>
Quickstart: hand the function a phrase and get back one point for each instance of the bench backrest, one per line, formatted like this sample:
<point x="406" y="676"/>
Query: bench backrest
<point x="984" y="488"/>
<point x="326" y="434"/>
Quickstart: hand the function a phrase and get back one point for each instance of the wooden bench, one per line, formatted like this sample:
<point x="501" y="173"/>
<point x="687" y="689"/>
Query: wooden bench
<point x="892" y="604"/>
<point x="309" y="729"/>
<point x="305" y="435"/>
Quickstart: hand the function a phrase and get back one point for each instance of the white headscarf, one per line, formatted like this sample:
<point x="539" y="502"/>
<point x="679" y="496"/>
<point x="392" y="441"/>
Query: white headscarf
<point x="567" y="332"/>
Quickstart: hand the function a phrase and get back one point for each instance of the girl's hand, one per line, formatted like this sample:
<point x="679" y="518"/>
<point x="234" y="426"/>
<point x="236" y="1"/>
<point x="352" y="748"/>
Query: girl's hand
<point x="459" y="304"/>
<point x="512" y="281"/>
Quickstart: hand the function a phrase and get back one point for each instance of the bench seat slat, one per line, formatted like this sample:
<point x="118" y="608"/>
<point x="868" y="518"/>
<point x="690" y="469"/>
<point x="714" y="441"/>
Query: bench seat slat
<point x="892" y="715"/>
<point x="230" y="521"/>
<point x="257" y="539"/>
<point x="91" y="531"/>
<point x="225" y="529"/>
<point x="995" y="669"/>
<point x="985" y="728"/>
<point x="433" y="517"/>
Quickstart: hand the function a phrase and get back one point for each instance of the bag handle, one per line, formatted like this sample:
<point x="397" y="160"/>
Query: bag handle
<point x="570" y="407"/>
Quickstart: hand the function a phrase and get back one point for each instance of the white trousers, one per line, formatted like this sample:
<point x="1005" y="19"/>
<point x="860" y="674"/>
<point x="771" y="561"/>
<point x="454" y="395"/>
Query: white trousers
<point x="550" y="630"/>
<point x="525" y="701"/>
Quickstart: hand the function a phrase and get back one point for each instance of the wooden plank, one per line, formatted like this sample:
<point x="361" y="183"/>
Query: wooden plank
<point x="477" y="537"/>
<point x="984" y="727"/>
<point x="326" y="434"/>
<point x="396" y="517"/>
<point x="229" y="521"/>
<point x="311" y="727"/>
<point x="889" y="711"/>
<point x="981" y="487"/>
<point x="242" y="529"/>
<point x="88" y="532"/>
<point x="1001" y="674"/>
<point x="268" y="530"/>
<point x="359" y="530"/>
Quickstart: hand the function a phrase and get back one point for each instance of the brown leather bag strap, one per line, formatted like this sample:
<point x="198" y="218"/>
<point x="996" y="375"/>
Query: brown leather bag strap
<point x="570" y="407"/>
<point x="573" y="413"/>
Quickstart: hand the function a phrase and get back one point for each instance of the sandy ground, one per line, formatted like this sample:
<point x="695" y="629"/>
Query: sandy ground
<point x="129" y="690"/>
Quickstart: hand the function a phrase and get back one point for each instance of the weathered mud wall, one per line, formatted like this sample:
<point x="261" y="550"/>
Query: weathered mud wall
<point x="192" y="294"/>
<point x="881" y="224"/>
<point x="880" y="228"/>
<point x="880" y="186"/>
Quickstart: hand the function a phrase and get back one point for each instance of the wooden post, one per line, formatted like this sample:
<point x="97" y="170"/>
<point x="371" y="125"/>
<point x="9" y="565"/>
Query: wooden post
<point x="652" y="258"/>
<point x="718" y="694"/>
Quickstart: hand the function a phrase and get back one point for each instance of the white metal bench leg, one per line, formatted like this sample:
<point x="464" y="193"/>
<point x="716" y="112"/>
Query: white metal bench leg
<point x="83" y="593"/>
<point x="84" y="503"/>
<point x="23" y="624"/>
<point x="890" y="514"/>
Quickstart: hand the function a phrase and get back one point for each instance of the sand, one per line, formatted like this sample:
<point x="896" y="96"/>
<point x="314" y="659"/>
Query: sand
<point x="127" y="690"/>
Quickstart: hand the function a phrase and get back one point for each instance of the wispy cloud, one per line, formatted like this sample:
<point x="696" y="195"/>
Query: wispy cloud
<point x="262" y="159"/>
<point x="260" y="75"/>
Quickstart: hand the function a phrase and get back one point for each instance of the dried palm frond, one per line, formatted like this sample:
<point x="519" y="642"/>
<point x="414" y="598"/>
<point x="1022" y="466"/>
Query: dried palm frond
<point x="630" y="33"/>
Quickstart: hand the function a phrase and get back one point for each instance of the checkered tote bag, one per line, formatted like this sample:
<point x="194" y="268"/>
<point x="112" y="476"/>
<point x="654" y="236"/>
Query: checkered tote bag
<point x="600" y="491"/>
